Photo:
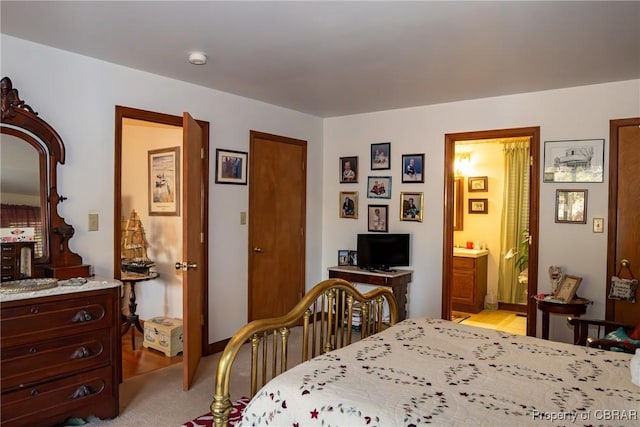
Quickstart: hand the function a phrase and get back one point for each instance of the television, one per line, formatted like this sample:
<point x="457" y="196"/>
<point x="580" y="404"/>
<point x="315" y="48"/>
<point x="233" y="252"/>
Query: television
<point x="382" y="251"/>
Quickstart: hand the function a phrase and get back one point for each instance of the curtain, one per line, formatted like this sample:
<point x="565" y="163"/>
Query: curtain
<point x="21" y="216"/>
<point x="514" y="223"/>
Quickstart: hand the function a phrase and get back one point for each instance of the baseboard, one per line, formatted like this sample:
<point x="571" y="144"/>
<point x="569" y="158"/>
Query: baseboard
<point x="519" y="308"/>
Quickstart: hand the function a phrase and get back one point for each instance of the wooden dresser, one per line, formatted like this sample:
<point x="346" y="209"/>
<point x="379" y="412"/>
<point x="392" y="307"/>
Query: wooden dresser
<point x="469" y="284"/>
<point x="12" y="259"/>
<point x="60" y="356"/>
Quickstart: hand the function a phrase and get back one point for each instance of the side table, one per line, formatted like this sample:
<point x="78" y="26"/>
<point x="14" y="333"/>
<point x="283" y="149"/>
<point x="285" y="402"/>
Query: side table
<point x="576" y="307"/>
<point x="132" y="320"/>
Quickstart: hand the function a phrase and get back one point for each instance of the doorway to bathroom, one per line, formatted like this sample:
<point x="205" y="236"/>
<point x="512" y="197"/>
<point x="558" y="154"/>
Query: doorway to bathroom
<point x="491" y="222"/>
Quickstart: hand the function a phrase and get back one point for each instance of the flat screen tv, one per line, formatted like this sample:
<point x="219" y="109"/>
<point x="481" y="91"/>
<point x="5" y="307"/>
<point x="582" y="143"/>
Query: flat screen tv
<point x="383" y="251"/>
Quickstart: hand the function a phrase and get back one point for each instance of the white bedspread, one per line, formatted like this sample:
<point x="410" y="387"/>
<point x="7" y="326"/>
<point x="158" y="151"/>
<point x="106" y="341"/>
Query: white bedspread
<point x="432" y="371"/>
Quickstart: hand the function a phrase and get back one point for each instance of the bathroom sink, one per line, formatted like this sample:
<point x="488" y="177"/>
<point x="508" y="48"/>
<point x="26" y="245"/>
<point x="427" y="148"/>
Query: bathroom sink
<point x="470" y="253"/>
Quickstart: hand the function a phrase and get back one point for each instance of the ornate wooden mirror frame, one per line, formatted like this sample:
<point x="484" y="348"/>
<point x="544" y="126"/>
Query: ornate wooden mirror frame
<point x="21" y="121"/>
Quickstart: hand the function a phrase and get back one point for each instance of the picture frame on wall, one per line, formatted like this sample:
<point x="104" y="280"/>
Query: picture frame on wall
<point x="164" y="181"/>
<point x="378" y="218"/>
<point x="343" y="257"/>
<point x="571" y="206"/>
<point x="477" y="184"/>
<point x="412" y="168"/>
<point x="379" y="187"/>
<point x="348" y="170"/>
<point x="231" y="167"/>
<point x="381" y="156"/>
<point x="478" y="206"/>
<point x="579" y="160"/>
<point x="349" y="204"/>
<point x="411" y="205"/>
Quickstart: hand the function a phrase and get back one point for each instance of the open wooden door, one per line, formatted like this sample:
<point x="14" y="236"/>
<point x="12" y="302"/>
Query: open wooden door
<point x="192" y="249"/>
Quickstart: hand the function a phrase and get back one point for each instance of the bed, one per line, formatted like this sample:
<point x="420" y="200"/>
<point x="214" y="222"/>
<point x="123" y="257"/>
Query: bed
<point x="431" y="371"/>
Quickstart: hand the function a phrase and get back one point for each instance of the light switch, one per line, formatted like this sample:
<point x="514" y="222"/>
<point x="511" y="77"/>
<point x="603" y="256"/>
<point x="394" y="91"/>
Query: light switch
<point x="93" y="222"/>
<point x="598" y="225"/>
<point x="243" y="218"/>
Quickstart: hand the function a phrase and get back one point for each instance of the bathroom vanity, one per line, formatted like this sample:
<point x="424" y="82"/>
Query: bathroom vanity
<point x="60" y="351"/>
<point x="469" y="284"/>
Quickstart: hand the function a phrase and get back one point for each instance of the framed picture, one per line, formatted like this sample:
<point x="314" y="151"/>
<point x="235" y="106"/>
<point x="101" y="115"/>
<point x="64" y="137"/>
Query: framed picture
<point x="411" y="206"/>
<point x="412" y="168"/>
<point x="348" y="169"/>
<point x="571" y="206"/>
<point x="343" y="257"/>
<point x="568" y="287"/>
<point x="579" y="160"/>
<point x="353" y="258"/>
<point x="478" y="183"/>
<point x="231" y="167"/>
<point x="378" y="218"/>
<point x="164" y="181"/>
<point x="478" y="206"/>
<point x="381" y="156"/>
<point x="379" y="187"/>
<point x="349" y="204"/>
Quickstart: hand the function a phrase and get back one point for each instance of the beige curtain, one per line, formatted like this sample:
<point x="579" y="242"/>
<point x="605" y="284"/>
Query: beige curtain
<point x="515" y="223"/>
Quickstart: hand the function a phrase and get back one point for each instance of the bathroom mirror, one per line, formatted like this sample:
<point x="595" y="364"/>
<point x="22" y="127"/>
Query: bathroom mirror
<point x="31" y="150"/>
<point x="457" y="203"/>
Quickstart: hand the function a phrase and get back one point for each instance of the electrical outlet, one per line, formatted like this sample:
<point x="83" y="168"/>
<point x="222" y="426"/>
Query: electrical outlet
<point x="598" y="225"/>
<point x="93" y="222"/>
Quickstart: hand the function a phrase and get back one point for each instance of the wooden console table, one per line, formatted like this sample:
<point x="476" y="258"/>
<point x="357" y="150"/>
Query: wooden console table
<point x="576" y="307"/>
<point x="397" y="280"/>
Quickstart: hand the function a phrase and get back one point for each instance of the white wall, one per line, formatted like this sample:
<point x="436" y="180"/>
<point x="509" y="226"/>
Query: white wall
<point x="77" y="96"/>
<point x="573" y="113"/>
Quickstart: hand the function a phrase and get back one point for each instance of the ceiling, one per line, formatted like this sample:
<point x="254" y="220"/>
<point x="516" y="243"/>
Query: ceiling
<point x="338" y="58"/>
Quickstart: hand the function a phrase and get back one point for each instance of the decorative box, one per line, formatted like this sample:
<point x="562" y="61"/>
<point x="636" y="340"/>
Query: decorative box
<point x="163" y="334"/>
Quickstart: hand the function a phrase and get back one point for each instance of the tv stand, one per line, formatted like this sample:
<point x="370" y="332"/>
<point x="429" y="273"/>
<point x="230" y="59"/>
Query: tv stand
<point x="397" y="280"/>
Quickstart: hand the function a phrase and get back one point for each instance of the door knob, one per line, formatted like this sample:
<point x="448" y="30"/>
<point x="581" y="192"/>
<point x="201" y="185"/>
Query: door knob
<point x="257" y="250"/>
<point x="184" y="266"/>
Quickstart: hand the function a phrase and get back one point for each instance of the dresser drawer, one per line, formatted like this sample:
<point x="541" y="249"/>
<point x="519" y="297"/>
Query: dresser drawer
<point x="46" y="320"/>
<point x="463" y="262"/>
<point x="45" y="404"/>
<point x="27" y="364"/>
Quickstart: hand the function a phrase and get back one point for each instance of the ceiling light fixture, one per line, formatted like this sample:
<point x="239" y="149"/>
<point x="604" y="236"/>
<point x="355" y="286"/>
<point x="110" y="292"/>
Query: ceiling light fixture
<point x="197" y="58"/>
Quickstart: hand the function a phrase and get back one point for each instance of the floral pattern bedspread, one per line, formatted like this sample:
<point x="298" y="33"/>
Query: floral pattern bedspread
<point x="432" y="371"/>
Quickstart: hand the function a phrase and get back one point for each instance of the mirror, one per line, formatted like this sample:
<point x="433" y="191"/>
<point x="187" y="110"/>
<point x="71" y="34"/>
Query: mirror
<point x="457" y="203"/>
<point x="31" y="150"/>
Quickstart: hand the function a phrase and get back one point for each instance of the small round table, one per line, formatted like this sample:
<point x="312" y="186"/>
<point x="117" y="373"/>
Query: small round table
<point x="576" y="307"/>
<point x="132" y="319"/>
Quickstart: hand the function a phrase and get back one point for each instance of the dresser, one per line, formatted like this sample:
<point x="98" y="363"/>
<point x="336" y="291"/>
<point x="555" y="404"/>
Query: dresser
<point x="60" y="354"/>
<point x="469" y="284"/>
<point x="17" y="260"/>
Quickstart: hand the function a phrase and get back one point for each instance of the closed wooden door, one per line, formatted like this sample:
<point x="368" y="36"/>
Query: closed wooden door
<point x="277" y="211"/>
<point x="624" y="214"/>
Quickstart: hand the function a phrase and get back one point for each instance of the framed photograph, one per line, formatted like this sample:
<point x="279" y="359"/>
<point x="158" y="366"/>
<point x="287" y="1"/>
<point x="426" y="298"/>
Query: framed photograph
<point x="353" y="258"/>
<point x="412" y="168"/>
<point x="349" y="204"/>
<point x="379" y="187"/>
<point x="231" y="167"/>
<point x="411" y="206"/>
<point x="378" y="218"/>
<point x="343" y="257"/>
<point x="568" y="287"/>
<point x="381" y="156"/>
<point x="348" y="170"/>
<point x="478" y="183"/>
<point x="478" y="206"/>
<point x="571" y="206"/>
<point x="579" y="160"/>
<point x="164" y="181"/>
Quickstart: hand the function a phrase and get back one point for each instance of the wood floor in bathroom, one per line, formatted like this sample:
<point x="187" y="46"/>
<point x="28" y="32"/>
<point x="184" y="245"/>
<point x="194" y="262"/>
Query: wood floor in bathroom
<point x="502" y="320"/>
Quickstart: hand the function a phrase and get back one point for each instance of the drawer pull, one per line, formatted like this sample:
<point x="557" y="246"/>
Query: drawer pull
<point x="33" y="350"/>
<point x="34" y="310"/>
<point x="81" y="353"/>
<point x="82" y="391"/>
<point x="34" y="392"/>
<point x="82" y="316"/>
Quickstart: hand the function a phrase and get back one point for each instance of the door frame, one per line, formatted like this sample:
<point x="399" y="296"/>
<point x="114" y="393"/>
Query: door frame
<point x="121" y="113"/>
<point x="534" y="196"/>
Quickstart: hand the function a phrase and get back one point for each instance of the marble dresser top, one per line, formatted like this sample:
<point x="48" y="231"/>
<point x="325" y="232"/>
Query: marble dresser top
<point x="64" y="287"/>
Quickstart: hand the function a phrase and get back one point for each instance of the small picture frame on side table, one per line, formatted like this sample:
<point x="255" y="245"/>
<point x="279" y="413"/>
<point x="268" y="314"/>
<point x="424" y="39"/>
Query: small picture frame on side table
<point x="353" y="258"/>
<point x="343" y="257"/>
<point x="568" y="287"/>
